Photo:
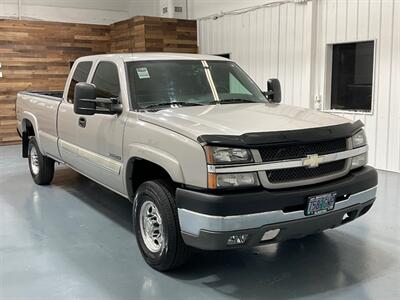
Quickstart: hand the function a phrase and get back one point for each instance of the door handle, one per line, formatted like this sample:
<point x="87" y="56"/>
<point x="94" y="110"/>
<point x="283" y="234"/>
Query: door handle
<point x="82" y="122"/>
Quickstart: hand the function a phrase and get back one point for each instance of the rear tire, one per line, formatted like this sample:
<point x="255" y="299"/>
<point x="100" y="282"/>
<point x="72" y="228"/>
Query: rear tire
<point x="41" y="167"/>
<point x="157" y="228"/>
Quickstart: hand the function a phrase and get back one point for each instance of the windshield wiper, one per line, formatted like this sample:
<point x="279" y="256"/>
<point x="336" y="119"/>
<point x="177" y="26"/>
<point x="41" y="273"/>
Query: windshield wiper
<point x="182" y="103"/>
<point x="233" y="100"/>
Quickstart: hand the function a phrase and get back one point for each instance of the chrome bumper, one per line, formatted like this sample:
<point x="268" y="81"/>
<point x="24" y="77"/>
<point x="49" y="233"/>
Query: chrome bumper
<point x="193" y="222"/>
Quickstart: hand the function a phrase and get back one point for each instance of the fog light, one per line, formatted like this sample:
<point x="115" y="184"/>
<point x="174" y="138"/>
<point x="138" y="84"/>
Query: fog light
<point x="237" y="239"/>
<point x="270" y="235"/>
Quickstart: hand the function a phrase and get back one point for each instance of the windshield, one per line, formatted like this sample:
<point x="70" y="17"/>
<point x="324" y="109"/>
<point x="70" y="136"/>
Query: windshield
<point x="190" y="82"/>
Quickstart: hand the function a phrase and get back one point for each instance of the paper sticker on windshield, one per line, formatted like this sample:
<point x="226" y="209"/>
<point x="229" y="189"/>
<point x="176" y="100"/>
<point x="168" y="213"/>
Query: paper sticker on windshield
<point x="142" y="73"/>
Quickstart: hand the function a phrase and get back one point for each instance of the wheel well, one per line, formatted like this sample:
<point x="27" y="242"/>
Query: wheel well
<point x="29" y="128"/>
<point x="27" y="131"/>
<point x="141" y="170"/>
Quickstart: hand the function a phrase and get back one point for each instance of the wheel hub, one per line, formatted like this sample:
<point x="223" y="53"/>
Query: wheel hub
<point x="34" y="161"/>
<point x="151" y="227"/>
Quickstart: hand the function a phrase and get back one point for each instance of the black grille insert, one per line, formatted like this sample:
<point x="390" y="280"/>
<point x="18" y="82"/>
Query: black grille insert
<point x="303" y="173"/>
<point x="292" y="151"/>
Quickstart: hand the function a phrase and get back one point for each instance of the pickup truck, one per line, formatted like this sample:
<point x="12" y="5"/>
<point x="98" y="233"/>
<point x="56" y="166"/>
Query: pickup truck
<point x="208" y="159"/>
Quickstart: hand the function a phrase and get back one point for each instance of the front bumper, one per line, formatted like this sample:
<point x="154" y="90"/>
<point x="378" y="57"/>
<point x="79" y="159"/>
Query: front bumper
<point x="208" y="220"/>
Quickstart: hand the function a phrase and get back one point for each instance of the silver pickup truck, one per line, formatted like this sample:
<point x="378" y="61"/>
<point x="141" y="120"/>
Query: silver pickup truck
<point x="208" y="160"/>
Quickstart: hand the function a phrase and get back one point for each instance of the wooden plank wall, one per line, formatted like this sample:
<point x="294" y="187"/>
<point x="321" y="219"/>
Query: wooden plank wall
<point x="152" y="34"/>
<point x="122" y="36"/>
<point x="37" y="55"/>
<point x="169" y="35"/>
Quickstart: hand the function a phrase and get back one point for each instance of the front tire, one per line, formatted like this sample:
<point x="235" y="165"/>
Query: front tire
<point x="41" y="167"/>
<point x="156" y="225"/>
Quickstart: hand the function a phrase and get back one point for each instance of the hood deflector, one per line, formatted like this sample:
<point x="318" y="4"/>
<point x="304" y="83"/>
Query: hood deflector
<point x="308" y="135"/>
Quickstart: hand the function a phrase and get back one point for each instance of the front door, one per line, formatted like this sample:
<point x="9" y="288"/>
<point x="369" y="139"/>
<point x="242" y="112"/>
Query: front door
<point x="99" y="137"/>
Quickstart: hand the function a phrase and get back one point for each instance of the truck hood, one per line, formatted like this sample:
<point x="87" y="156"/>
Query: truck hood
<point x="238" y="119"/>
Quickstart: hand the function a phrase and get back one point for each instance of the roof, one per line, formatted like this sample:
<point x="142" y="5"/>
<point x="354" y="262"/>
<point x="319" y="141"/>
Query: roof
<point x="155" y="56"/>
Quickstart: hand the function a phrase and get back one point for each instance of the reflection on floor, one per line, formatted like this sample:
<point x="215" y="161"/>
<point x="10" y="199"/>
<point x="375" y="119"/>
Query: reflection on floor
<point x="73" y="239"/>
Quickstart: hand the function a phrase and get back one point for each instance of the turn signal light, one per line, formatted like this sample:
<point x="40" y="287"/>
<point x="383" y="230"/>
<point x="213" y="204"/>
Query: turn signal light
<point x="212" y="181"/>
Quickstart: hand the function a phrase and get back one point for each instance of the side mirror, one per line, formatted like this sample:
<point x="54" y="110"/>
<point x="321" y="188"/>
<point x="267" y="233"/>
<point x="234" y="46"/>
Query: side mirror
<point x="86" y="103"/>
<point x="274" y="91"/>
<point x="85" y="99"/>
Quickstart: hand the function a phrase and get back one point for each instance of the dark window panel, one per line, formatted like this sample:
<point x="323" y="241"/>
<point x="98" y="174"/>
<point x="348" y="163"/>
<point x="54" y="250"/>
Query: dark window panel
<point x="226" y="55"/>
<point x="80" y="75"/>
<point x="352" y="75"/>
<point x="106" y="80"/>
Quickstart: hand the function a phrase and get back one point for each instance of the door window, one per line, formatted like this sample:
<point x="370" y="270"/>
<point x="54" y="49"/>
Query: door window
<point x="80" y="75"/>
<point x="106" y="80"/>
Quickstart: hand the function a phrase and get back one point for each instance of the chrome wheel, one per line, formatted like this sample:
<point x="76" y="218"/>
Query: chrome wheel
<point x="34" y="161"/>
<point x="151" y="227"/>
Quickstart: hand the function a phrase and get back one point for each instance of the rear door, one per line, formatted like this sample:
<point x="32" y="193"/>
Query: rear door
<point x="99" y="137"/>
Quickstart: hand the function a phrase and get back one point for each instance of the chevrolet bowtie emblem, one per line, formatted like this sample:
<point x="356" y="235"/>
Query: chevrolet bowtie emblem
<point x="312" y="161"/>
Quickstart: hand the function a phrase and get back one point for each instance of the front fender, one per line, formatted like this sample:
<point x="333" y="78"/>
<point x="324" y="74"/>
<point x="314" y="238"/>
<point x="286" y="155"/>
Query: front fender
<point x="157" y="156"/>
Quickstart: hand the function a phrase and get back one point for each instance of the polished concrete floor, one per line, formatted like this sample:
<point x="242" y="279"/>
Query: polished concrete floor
<point x="73" y="240"/>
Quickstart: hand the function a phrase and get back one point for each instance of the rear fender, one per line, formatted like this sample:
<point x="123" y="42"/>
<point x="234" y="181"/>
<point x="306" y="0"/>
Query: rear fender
<point x="28" y="116"/>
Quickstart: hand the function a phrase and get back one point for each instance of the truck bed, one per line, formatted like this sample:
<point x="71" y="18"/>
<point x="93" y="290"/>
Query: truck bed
<point x="40" y="108"/>
<point x="52" y="95"/>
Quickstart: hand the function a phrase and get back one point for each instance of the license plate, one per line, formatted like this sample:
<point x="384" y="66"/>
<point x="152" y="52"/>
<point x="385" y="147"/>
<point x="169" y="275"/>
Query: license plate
<point x="320" y="204"/>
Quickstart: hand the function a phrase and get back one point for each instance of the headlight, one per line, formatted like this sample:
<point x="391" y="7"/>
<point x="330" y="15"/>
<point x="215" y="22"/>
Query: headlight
<point x="223" y="155"/>
<point x="359" y="139"/>
<point x="359" y="161"/>
<point x="216" y="181"/>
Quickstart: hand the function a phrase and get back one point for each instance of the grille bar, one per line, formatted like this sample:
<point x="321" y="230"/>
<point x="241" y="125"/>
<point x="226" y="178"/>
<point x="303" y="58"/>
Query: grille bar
<point x="304" y="173"/>
<point x="292" y="151"/>
<point x="259" y="166"/>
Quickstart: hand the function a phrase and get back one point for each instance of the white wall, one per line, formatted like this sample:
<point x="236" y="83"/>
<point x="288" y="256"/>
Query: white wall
<point x="202" y="8"/>
<point x="79" y="11"/>
<point x="144" y="8"/>
<point x="267" y="43"/>
<point x="289" y="42"/>
<point x="368" y="20"/>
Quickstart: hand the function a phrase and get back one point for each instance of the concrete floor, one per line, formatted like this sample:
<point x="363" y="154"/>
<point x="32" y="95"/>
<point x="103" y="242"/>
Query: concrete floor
<point x="73" y="239"/>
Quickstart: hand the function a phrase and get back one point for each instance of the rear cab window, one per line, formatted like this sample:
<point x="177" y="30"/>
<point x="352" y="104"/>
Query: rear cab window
<point x="81" y="74"/>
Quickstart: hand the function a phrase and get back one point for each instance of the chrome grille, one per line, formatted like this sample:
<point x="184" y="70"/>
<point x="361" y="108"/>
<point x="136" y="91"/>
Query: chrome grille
<point x="292" y="151"/>
<point x="298" y="176"/>
<point x="303" y="173"/>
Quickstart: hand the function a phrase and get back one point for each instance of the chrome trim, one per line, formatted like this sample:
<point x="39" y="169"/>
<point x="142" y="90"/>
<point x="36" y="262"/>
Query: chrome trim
<point x="284" y="164"/>
<point x="302" y="182"/>
<point x="267" y="184"/>
<point x="98" y="160"/>
<point x="192" y="222"/>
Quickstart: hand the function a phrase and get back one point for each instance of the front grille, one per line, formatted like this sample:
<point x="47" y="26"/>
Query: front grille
<point x="292" y="151"/>
<point x="304" y="173"/>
